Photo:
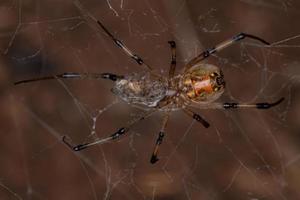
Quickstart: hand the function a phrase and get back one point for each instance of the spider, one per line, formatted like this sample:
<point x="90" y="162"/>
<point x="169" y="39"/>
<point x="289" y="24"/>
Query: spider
<point x="199" y="84"/>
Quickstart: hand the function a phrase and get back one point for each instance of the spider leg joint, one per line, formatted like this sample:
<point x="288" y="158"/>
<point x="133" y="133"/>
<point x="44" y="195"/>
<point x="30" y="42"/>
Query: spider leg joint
<point x="238" y="37"/>
<point x="74" y="148"/>
<point x="172" y="43"/>
<point x="198" y="118"/>
<point x="230" y="105"/>
<point x="79" y="147"/>
<point x="110" y="76"/>
<point x="154" y="159"/>
<point x="138" y="59"/>
<point x="120" y="132"/>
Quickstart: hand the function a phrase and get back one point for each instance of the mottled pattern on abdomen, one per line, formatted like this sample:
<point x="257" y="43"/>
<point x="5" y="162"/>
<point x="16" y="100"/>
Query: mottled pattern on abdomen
<point x="142" y="89"/>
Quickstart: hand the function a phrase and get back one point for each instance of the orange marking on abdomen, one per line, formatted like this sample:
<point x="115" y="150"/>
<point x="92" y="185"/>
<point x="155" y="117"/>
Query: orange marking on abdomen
<point x="203" y="85"/>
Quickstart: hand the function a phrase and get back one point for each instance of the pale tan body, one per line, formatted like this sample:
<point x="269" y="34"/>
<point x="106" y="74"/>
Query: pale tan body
<point x="200" y="84"/>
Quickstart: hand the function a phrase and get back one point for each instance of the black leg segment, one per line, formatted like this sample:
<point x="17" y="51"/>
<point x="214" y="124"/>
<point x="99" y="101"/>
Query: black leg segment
<point x="112" y="77"/>
<point x="197" y="117"/>
<point x="74" y="75"/>
<point x="222" y="46"/>
<point x="159" y="140"/>
<point x="264" y="105"/>
<point x="80" y="147"/>
<point x="173" y="59"/>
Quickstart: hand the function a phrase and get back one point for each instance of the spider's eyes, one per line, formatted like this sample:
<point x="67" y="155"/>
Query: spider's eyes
<point x="220" y="80"/>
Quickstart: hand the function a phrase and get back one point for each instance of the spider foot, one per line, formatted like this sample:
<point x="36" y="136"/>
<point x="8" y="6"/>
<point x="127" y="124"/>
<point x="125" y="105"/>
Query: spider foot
<point x="268" y="105"/>
<point x="154" y="159"/>
<point x="74" y="148"/>
<point x="172" y="44"/>
<point x="244" y="35"/>
<point x="264" y="105"/>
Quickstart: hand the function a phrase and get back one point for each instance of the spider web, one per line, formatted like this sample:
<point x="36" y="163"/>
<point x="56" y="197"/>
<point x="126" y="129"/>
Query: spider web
<point x="245" y="154"/>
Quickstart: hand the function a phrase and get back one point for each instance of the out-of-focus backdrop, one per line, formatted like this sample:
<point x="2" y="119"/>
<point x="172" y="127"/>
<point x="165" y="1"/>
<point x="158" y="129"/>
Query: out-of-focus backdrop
<point x="245" y="154"/>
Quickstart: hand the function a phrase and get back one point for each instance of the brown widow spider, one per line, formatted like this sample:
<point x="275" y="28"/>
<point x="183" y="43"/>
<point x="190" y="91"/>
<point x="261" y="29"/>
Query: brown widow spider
<point x="200" y="83"/>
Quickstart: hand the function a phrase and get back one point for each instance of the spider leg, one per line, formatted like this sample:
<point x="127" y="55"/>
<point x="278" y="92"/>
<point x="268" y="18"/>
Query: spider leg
<point x="222" y="46"/>
<point x="72" y="75"/>
<point x="264" y="105"/>
<point x="197" y="117"/>
<point x="80" y="147"/>
<point x="173" y="59"/>
<point x="119" y="44"/>
<point x="159" y="139"/>
<point x="114" y="136"/>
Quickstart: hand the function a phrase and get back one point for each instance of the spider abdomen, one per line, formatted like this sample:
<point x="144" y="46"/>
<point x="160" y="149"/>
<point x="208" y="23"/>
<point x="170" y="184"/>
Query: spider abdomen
<point x="202" y="83"/>
<point x="141" y="88"/>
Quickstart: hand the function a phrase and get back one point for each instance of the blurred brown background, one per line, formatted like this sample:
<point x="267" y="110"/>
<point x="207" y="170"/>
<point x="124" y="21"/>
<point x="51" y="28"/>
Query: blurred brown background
<point x="245" y="154"/>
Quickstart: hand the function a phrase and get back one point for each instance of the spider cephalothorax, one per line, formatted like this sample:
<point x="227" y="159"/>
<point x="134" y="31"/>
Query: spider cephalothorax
<point x="200" y="83"/>
<point x="203" y="83"/>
